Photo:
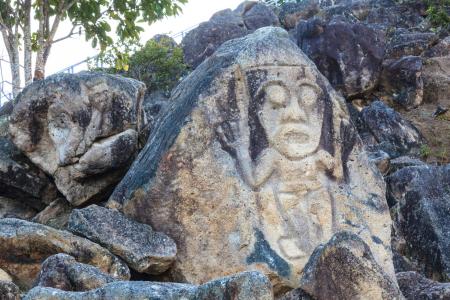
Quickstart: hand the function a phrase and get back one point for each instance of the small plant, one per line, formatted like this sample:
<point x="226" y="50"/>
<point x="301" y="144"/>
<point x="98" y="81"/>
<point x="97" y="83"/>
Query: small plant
<point x="424" y="151"/>
<point x="438" y="12"/>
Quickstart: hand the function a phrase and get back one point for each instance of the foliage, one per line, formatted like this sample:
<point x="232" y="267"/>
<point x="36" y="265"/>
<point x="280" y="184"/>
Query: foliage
<point x="159" y="64"/>
<point x="96" y="18"/>
<point x="438" y="12"/>
<point x="424" y="151"/>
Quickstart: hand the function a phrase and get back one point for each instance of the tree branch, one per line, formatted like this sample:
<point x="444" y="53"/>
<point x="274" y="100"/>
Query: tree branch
<point x="71" y="33"/>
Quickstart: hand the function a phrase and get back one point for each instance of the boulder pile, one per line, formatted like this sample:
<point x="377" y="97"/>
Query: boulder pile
<point x="306" y="155"/>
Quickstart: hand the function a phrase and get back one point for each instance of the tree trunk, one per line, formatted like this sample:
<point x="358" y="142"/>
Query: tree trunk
<point x="27" y="43"/>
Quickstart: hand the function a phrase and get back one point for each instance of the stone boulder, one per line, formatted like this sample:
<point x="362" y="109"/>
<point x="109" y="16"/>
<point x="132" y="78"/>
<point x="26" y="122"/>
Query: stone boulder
<point x="244" y="286"/>
<point x="201" y="42"/>
<point x="257" y="15"/>
<point x="9" y="291"/>
<point x="55" y="215"/>
<point x="350" y="55"/>
<point x="25" y="245"/>
<point x="441" y="49"/>
<point x="414" y="286"/>
<point x="406" y="43"/>
<point x="254" y="165"/>
<point x="391" y="133"/>
<point x="422" y="227"/>
<point x="145" y="250"/>
<point x="436" y="81"/>
<point x="81" y="129"/>
<point x="21" y="180"/>
<point x="402" y="81"/>
<point x="62" y="271"/>
<point x="10" y="208"/>
<point x="344" y="268"/>
<point x="292" y="12"/>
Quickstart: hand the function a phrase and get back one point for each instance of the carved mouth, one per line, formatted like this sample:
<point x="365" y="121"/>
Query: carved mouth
<point x="296" y="137"/>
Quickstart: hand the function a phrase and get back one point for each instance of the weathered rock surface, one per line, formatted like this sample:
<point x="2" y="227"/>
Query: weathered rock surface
<point x="436" y="81"/>
<point x="291" y="12"/>
<point x="5" y="276"/>
<point x="9" y="291"/>
<point x="145" y="250"/>
<point x="402" y="81"/>
<point x="406" y="43"/>
<point x="201" y="42"/>
<point x="345" y="268"/>
<point x="440" y="49"/>
<point x="257" y="15"/>
<point x="81" y="129"/>
<point x="21" y="180"/>
<point x="416" y="287"/>
<point x="63" y="272"/>
<point x="422" y="226"/>
<point x="350" y="55"/>
<point x="392" y="134"/>
<point x="25" y="245"/>
<point x="246" y="170"/>
<point x="55" y="215"/>
<point x="10" y="208"/>
<point x="244" y="286"/>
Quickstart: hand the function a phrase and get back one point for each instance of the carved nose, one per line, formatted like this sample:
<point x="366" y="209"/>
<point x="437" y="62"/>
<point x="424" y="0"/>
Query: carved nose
<point x="293" y="112"/>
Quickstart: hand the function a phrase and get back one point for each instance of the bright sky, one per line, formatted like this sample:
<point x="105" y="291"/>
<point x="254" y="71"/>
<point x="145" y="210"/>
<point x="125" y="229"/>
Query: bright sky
<point x="76" y="49"/>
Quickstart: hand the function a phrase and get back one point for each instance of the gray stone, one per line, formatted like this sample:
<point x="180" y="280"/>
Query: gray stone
<point x="241" y="182"/>
<point x="404" y="161"/>
<point x="416" y="287"/>
<point x="81" y="129"/>
<point x="10" y="208"/>
<point x="406" y="43"/>
<point x="441" y="49"/>
<point x="25" y="245"/>
<point x="393" y="134"/>
<point x="422" y="228"/>
<point x="21" y="180"/>
<point x="244" y="286"/>
<point x="291" y="12"/>
<point x="55" y="215"/>
<point x="349" y="55"/>
<point x="257" y="15"/>
<point x="345" y="268"/>
<point x="9" y="291"/>
<point x="436" y="80"/>
<point x="145" y="250"/>
<point x="381" y="159"/>
<point x="402" y="81"/>
<point x="63" y="272"/>
<point x="201" y="42"/>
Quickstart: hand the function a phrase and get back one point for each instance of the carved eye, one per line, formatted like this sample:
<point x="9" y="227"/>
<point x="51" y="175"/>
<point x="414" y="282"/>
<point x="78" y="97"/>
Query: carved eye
<point x="277" y="96"/>
<point x="308" y="94"/>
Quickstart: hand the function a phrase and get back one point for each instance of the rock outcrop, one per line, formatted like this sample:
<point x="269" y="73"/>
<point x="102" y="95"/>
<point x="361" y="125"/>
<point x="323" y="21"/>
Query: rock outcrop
<point x="9" y="291"/>
<point x="80" y="129"/>
<point x="255" y="164"/>
<point x="414" y="287"/>
<point x="350" y="55"/>
<point x="384" y="129"/>
<point x="145" y="250"/>
<point x="25" y="245"/>
<point x="201" y="42"/>
<point x="344" y="268"/>
<point x="422" y="227"/>
<point x="21" y="180"/>
<point x="244" y="286"/>
<point x="63" y="272"/>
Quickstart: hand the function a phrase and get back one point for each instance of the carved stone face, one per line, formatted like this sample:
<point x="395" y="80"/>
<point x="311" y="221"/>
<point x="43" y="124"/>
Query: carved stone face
<point x="290" y="114"/>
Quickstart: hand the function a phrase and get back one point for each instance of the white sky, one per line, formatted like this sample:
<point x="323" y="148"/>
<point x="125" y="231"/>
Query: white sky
<point x="76" y="49"/>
